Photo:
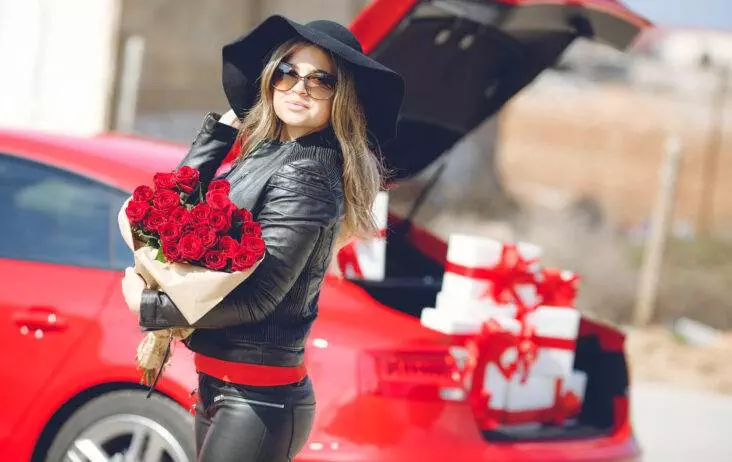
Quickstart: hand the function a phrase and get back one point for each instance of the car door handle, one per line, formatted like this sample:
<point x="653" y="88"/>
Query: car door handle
<point x="45" y="319"/>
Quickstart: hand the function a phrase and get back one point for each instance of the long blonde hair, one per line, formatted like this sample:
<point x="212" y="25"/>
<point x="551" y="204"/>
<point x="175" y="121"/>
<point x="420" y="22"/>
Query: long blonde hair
<point x="362" y="169"/>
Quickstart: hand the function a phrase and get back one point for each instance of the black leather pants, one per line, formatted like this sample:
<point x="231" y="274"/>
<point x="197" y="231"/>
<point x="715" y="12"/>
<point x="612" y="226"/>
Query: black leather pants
<point x="247" y="424"/>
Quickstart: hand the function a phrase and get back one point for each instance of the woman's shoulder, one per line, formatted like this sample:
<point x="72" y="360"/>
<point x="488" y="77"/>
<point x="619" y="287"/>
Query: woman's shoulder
<point x="312" y="182"/>
<point x="323" y="156"/>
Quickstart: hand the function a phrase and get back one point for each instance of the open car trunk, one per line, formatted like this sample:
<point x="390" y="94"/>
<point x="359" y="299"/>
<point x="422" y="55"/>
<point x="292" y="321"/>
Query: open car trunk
<point x="462" y="60"/>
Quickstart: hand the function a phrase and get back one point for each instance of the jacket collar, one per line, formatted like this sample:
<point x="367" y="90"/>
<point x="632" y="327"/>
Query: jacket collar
<point x="325" y="137"/>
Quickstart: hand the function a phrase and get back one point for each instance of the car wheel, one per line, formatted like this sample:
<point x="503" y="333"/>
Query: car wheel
<point x="125" y="426"/>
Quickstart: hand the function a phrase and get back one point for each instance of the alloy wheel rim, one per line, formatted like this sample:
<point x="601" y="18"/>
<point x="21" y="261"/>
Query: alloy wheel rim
<point x="126" y="438"/>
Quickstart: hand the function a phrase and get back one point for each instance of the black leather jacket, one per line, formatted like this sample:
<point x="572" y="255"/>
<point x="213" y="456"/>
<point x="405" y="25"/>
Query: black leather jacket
<point x="294" y="189"/>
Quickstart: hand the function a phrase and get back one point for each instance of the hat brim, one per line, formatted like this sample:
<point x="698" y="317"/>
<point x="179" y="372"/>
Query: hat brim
<point x="380" y="90"/>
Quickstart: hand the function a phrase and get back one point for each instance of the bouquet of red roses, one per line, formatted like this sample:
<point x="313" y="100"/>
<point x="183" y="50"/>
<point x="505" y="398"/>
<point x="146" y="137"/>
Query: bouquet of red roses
<point x="195" y="247"/>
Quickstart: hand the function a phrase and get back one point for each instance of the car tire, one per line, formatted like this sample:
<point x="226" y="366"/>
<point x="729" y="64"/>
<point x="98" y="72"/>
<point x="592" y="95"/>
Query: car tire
<point x="125" y="422"/>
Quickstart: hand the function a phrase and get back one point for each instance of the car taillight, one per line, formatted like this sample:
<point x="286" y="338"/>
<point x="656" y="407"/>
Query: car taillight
<point x="420" y="373"/>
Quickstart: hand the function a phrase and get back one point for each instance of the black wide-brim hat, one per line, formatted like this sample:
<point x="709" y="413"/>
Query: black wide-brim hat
<point x="380" y="90"/>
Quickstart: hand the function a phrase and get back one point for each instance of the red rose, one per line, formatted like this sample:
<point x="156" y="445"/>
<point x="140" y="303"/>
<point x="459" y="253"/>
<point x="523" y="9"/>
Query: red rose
<point x="243" y="259"/>
<point x="171" y="251"/>
<point x="218" y="200"/>
<point x="215" y="260"/>
<point x="154" y="220"/>
<point x="255" y="245"/>
<point x="251" y="228"/>
<point x="179" y="215"/>
<point x="207" y="235"/>
<point x="219" y="221"/>
<point x="143" y="193"/>
<point x="220" y="185"/>
<point x="170" y="231"/>
<point x="228" y="246"/>
<point x="166" y="200"/>
<point x="185" y="188"/>
<point x="200" y="213"/>
<point x="164" y="180"/>
<point x="189" y="227"/>
<point x="244" y="215"/>
<point x="230" y="210"/>
<point x="136" y="211"/>
<point x="191" y="247"/>
<point x="187" y="178"/>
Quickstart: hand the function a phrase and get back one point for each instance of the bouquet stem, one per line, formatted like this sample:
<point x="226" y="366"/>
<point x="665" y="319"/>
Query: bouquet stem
<point x="153" y="354"/>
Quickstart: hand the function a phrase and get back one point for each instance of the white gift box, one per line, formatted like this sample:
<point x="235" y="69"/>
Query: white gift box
<point x="466" y="317"/>
<point x="451" y="323"/>
<point x="370" y="255"/>
<point x="476" y="252"/>
<point x="538" y="400"/>
<point x="515" y="402"/>
<point x="479" y="310"/>
<point x="575" y="383"/>
<point x="538" y="392"/>
<point x="556" y="330"/>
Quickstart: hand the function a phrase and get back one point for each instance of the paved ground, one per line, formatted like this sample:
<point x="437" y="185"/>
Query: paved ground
<point x="676" y="425"/>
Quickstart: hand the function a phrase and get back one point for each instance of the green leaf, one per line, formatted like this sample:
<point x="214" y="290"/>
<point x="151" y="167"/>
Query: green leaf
<point x="161" y="257"/>
<point x="149" y="237"/>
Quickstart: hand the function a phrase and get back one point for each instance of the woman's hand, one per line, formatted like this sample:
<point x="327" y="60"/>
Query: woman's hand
<point x="230" y="118"/>
<point x="132" y="287"/>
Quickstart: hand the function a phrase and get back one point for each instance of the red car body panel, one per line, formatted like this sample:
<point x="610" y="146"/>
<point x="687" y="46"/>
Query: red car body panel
<point x="88" y="337"/>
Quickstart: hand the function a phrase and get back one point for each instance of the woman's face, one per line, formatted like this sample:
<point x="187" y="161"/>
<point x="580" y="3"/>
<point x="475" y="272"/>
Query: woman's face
<point x="300" y="112"/>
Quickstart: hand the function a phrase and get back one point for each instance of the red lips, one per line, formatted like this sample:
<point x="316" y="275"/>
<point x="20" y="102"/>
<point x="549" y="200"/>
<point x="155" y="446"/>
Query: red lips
<point x="299" y="103"/>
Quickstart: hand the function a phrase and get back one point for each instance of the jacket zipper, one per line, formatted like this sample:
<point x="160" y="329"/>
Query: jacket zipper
<point x="249" y="401"/>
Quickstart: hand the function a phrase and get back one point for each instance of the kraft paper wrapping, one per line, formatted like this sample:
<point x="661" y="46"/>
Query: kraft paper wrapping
<point x="194" y="290"/>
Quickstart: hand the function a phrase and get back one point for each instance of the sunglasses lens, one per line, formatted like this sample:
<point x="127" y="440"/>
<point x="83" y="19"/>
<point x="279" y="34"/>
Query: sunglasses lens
<point x="318" y="85"/>
<point x="320" y="88"/>
<point x="283" y="81"/>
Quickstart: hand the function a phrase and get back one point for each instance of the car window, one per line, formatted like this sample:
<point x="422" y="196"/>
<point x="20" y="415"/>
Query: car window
<point x="52" y="215"/>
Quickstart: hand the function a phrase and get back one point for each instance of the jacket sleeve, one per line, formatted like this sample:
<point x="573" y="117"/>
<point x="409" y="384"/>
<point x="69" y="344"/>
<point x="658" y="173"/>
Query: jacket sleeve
<point x="210" y="146"/>
<point x="298" y="205"/>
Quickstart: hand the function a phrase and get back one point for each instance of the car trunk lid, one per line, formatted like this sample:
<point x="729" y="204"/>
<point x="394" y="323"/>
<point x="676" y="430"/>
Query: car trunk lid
<point x="462" y="60"/>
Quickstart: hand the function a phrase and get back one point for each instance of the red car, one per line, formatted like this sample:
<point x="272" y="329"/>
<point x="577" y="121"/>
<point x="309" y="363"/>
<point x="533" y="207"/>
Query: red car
<point x="68" y="374"/>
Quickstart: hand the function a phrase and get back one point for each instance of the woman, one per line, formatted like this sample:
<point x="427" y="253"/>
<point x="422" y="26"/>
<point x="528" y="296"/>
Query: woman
<point x="314" y="108"/>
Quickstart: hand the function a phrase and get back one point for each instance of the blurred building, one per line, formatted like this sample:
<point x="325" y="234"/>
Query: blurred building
<point x="182" y="60"/>
<point x="57" y="58"/>
<point x="68" y="58"/>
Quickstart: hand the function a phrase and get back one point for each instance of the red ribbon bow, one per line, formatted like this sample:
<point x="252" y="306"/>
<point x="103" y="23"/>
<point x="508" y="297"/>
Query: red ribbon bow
<point x="566" y="405"/>
<point x="527" y="351"/>
<point x="488" y="347"/>
<point x="348" y="256"/>
<point x="556" y="288"/>
<point x="512" y="269"/>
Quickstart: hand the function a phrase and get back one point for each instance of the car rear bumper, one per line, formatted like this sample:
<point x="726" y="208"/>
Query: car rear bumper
<point x="616" y="448"/>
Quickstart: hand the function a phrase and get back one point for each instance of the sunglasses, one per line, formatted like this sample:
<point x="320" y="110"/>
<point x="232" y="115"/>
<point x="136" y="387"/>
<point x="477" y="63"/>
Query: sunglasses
<point x="318" y="84"/>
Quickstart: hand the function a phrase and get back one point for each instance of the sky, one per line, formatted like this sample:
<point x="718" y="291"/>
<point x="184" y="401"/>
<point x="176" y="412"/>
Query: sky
<point x="714" y="14"/>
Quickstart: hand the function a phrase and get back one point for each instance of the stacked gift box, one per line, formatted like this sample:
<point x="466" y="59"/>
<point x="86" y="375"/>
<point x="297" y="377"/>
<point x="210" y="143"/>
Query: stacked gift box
<point x="518" y="324"/>
<point x="366" y="259"/>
